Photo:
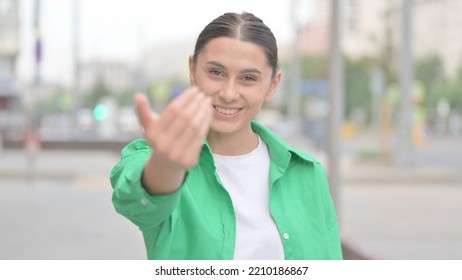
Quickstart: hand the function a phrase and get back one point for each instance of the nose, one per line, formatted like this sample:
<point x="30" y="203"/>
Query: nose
<point x="229" y="92"/>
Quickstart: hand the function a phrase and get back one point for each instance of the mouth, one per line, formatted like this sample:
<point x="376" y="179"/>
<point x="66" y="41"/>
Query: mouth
<point x="226" y="112"/>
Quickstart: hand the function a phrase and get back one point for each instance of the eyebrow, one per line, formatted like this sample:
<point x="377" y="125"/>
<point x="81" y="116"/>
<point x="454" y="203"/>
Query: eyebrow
<point x="248" y="70"/>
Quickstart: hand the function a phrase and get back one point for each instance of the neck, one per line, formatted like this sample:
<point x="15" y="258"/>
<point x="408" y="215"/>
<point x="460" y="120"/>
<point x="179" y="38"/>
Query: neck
<point x="229" y="144"/>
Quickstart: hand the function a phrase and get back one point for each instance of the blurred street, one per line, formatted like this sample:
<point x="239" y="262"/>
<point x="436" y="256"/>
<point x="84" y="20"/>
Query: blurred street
<point x="59" y="206"/>
<point x="392" y="213"/>
<point x="62" y="209"/>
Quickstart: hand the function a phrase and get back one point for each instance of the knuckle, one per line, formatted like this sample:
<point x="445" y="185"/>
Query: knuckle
<point x="174" y="109"/>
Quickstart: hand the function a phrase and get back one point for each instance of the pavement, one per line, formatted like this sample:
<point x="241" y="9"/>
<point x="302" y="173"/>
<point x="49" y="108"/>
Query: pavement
<point x="56" y="204"/>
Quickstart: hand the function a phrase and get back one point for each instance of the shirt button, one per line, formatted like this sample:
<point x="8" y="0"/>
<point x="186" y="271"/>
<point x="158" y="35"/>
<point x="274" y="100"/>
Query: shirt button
<point x="143" y="201"/>
<point x="285" y="236"/>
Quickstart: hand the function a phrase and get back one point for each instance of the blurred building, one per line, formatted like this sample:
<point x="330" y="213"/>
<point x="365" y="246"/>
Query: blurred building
<point x="116" y="76"/>
<point x="163" y="62"/>
<point x="370" y="25"/>
<point x="364" y="26"/>
<point x="437" y="27"/>
<point x="9" y="49"/>
<point x="166" y="61"/>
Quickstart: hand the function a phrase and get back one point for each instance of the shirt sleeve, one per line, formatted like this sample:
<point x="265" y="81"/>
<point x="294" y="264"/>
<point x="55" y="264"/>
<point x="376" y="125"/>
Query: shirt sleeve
<point x="130" y="198"/>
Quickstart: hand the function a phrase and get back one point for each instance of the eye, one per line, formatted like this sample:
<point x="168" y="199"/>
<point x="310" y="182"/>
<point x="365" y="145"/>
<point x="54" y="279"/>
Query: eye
<point x="249" y="78"/>
<point x="215" y="73"/>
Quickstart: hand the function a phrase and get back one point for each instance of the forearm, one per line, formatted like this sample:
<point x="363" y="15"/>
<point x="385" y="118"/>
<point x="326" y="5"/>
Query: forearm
<point x="130" y="197"/>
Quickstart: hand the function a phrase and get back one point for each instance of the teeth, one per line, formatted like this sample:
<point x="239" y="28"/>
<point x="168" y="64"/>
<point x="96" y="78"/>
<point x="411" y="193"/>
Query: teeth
<point x="226" y="111"/>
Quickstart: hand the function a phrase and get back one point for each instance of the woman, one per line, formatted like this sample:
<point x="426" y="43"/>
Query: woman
<point x="208" y="182"/>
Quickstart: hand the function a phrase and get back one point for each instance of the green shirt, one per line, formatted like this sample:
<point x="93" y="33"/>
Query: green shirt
<point x="198" y="222"/>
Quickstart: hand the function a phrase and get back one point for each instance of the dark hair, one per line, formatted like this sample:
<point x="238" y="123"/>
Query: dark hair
<point x="245" y="27"/>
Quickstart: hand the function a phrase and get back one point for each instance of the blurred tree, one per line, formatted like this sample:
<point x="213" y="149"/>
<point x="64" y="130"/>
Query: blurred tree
<point x="314" y="67"/>
<point x="357" y="95"/>
<point x="61" y="102"/>
<point x="453" y="92"/>
<point x="429" y="71"/>
<point x="125" y="98"/>
<point x="357" y="92"/>
<point x="93" y="96"/>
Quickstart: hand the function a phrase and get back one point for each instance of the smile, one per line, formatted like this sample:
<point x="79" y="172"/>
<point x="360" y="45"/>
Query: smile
<point x="226" y="111"/>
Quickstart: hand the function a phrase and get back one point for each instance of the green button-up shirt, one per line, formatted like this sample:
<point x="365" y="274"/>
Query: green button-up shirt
<point x="198" y="221"/>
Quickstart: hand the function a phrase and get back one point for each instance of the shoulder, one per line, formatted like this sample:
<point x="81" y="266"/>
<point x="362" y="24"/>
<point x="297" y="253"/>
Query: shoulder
<point x="279" y="148"/>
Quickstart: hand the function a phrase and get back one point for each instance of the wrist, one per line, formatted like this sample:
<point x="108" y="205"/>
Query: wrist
<point x="160" y="178"/>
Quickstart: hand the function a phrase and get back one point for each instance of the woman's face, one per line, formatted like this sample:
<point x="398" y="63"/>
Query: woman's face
<point x="238" y="77"/>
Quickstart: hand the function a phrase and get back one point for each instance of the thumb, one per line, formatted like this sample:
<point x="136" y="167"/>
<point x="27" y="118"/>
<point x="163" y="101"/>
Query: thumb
<point x="144" y="113"/>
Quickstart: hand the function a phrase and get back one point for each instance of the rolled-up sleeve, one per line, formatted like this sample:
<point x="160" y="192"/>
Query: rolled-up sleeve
<point x="130" y="198"/>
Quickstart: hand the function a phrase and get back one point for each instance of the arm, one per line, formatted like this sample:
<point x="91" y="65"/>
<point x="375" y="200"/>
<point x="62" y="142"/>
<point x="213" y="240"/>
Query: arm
<point x="130" y="198"/>
<point x="151" y="170"/>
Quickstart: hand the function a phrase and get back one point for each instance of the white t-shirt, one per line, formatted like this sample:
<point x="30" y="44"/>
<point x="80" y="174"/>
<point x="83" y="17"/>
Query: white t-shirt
<point x="246" y="178"/>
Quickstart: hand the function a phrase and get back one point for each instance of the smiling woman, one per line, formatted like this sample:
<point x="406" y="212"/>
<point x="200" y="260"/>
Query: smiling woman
<point x="207" y="181"/>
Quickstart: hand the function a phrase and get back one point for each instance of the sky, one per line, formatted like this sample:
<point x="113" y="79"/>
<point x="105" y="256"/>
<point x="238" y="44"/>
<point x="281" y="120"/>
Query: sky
<point x="119" y="29"/>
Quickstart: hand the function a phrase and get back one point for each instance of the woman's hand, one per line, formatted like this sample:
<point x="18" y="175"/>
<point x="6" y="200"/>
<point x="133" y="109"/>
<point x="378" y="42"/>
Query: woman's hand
<point x="176" y="137"/>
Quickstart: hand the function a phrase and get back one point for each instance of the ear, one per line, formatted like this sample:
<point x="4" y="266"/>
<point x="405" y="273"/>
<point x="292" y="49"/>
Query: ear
<point x="192" y="69"/>
<point x="274" y="86"/>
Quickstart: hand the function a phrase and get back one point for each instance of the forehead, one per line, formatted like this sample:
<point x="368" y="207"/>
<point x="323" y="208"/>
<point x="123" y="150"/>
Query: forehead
<point x="233" y="52"/>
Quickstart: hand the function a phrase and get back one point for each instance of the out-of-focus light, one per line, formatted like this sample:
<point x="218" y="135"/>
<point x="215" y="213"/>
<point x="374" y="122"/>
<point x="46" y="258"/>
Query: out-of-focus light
<point x="100" y="112"/>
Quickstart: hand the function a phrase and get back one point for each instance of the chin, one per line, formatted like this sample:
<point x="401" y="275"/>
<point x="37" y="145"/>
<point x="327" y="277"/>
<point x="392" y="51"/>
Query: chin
<point x="224" y="127"/>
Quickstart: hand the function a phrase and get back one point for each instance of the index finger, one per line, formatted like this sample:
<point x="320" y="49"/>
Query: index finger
<point x="179" y="104"/>
<point x="187" y="96"/>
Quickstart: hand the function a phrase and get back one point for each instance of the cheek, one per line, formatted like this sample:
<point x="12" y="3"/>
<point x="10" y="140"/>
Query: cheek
<point x="257" y="98"/>
<point x="208" y="86"/>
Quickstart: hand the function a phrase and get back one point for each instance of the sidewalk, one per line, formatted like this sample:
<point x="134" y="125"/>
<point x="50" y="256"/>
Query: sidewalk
<point x="407" y="213"/>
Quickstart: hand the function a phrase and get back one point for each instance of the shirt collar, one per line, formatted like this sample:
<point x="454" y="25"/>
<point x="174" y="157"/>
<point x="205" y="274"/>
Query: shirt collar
<point x="280" y="151"/>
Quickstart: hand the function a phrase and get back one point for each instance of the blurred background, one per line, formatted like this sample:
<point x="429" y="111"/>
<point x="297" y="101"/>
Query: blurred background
<point x="371" y="88"/>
